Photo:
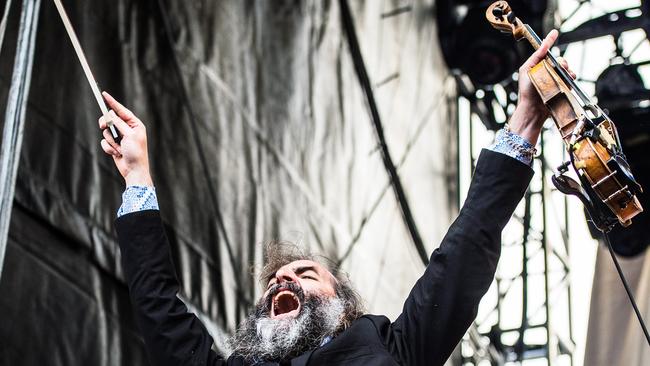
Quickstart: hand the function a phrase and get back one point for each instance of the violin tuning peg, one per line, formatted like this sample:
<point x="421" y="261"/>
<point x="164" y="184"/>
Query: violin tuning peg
<point x="497" y="12"/>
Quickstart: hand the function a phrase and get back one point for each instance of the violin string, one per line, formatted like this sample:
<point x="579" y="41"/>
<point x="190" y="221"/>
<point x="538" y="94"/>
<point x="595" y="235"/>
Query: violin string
<point x="561" y="71"/>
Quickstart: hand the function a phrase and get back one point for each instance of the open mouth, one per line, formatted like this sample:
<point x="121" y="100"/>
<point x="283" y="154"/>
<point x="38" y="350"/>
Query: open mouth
<point x="285" y="304"/>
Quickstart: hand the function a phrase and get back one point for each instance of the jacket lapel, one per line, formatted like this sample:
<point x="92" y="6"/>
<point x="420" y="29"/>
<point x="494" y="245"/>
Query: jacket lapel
<point x="302" y="359"/>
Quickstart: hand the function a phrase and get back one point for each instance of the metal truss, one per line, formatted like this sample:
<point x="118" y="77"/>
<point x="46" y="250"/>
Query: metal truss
<point x="527" y="312"/>
<point x="526" y="318"/>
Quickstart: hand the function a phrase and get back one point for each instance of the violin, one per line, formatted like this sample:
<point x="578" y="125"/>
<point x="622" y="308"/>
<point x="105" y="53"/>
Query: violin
<point x="607" y="186"/>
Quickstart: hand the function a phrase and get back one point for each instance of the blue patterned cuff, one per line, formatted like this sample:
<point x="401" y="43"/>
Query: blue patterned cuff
<point x="511" y="144"/>
<point x="138" y="198"/>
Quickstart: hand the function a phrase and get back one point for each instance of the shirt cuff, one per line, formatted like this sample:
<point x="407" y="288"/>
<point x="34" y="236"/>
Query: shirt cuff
<point x="513" y="145"/>
<point x="138" y="198"/>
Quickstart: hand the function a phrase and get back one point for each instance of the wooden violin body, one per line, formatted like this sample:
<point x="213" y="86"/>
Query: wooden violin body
<point x="589" y="135"/>
<point x="591" y="156"/>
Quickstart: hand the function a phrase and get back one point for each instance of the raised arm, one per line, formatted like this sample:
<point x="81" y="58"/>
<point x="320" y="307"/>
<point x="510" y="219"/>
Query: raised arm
<point x="172" y="335"/>
<point x="444" y="301"/>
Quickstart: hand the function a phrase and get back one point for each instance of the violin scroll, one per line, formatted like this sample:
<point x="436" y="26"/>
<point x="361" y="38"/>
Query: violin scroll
<point x="501" y="16"/>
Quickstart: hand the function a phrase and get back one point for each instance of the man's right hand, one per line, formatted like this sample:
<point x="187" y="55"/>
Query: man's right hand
<point x="130" y="156"/>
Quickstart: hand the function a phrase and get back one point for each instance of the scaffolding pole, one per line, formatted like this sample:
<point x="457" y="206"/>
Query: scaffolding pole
<point x="539" y="289"/>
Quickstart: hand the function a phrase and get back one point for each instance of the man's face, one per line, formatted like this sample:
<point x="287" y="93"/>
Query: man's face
<point x="287" y="289"/>
<point x="298" y="311"/>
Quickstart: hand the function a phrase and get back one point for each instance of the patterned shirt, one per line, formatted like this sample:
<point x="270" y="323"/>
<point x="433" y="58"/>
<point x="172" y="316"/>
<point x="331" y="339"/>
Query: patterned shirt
<point x="140" y="198"/>
<point x="508" y="143"/>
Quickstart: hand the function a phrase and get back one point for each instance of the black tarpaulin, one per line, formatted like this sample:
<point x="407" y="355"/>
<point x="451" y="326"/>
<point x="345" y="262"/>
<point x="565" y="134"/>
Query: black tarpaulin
<point x="289" y="149"/>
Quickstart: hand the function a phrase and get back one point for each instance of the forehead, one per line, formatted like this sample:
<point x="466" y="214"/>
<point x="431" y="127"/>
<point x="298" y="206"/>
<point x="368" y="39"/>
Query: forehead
<point x="305" y="263"/>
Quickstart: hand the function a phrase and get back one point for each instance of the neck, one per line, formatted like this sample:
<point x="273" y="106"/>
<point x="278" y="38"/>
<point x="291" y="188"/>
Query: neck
<point x="535" y="41"/>
<point x="532" y="37"/>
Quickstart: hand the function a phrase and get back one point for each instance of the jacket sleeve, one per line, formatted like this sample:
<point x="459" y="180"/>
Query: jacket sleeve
<point x="444" y="301"/>
<point x="172" y="335"/>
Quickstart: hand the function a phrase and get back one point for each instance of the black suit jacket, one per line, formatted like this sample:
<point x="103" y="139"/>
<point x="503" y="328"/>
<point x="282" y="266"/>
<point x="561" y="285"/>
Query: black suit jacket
<point x="436" y="314"/>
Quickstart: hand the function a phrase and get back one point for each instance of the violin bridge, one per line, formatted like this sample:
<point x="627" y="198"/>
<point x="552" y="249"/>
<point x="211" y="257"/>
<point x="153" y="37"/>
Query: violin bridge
<point x="607" y="136"/>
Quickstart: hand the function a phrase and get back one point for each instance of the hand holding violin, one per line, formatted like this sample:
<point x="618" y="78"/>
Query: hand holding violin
<point x="607" y="186"/>
<point x="529" y="117"/>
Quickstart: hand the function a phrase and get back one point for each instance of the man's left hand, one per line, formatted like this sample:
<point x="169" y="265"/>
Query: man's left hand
<point x="528" y="119"/>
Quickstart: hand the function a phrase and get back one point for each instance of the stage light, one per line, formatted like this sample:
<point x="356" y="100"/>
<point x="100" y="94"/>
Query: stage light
<point x="470" y="44"/>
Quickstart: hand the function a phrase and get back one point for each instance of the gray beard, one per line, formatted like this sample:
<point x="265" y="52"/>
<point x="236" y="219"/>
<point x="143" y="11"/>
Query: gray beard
<point x="263" y="338"/>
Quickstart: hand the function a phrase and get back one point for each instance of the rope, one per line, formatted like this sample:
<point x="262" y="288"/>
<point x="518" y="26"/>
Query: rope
<point x="3" y="23"/>
<point x="12" y="137"/>
<point x="364" y="80"/>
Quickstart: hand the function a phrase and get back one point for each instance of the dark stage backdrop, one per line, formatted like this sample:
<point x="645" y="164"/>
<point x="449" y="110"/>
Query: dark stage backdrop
<point x="289" y="153"/>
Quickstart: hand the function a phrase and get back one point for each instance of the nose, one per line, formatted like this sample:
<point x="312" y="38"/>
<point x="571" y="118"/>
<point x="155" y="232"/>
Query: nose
<point x="285" y="275"/>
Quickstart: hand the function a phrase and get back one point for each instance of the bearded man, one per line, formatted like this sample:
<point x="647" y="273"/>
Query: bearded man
<point x="309" y="314"/>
